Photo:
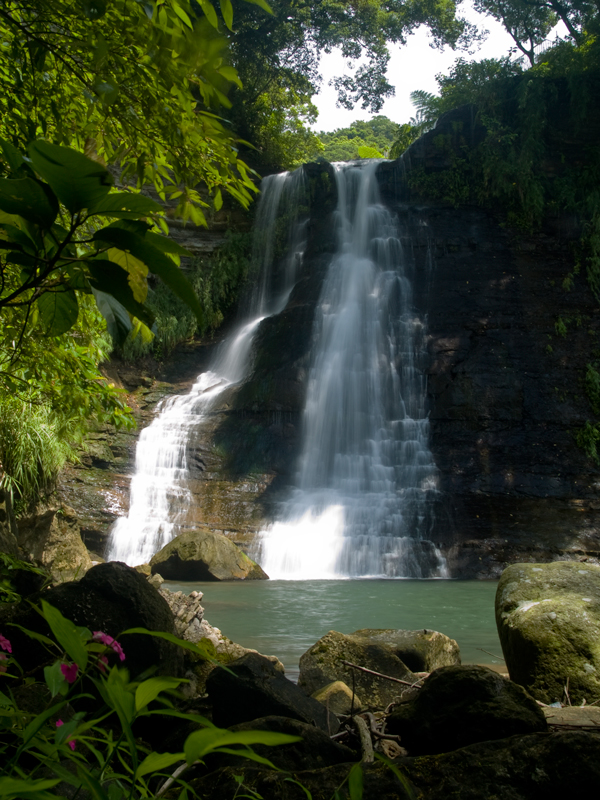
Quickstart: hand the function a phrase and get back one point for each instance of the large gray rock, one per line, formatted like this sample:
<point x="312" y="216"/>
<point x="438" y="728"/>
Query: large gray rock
<point x="252" y="687"/>
<point x="204" y="556"/>
<point x="548" y="618"/>
<point x="459" y="706"/>
<point x="421" y="651"/>
<point x="323" y="663"/>
<point x="52" y="540"/>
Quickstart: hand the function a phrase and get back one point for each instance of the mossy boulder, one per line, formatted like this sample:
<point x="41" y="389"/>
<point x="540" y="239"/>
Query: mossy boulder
<point x="53" y="541"/>
<point x="421" y="651"/>
<point x="461" y="705"/>
<point x="323" y="663"/>
<point x="548" y="618"/>
<point x="338" y="697"/>
<point x="205" y="556"/>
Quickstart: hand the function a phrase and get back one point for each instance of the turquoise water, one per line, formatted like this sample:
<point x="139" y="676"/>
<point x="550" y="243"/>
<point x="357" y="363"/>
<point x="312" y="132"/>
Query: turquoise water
<point x="284" y="618"/>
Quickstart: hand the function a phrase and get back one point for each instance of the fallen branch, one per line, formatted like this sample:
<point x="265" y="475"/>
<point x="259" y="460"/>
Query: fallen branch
<point x="381" y="675"/>
<point x="493" y="655"/>
<point x="366" y="745"/>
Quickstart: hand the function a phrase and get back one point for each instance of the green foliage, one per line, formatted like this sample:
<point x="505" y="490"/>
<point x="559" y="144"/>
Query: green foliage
<point x="216" y="280"/>
<point x="587" y="438"/>
<point x="83" y="733"/>
<point x="135" y="83"/>
<point x="344" y="144"/>
<point x="8" y="566"/>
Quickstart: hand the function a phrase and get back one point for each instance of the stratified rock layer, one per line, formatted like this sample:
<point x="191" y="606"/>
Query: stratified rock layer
<point x="548" y="618"/>
<point x="204" y="556"/>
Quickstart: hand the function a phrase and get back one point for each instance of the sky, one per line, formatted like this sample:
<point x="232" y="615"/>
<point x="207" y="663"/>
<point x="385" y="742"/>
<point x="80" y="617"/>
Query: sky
<point x="411" y="67"/>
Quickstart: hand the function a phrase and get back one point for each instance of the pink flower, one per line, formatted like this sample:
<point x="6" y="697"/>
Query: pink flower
<point x="71" y="743"/>
<point x="104" y="638"/>
<point x="5" y="644"/>
<point x="69" y="672"/>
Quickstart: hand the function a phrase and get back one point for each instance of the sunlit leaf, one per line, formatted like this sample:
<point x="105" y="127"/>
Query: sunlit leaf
<point x="26" y="198"/>
<point x="158" y="761"/>
<point x="200" y="743"/>
<point x="137" y="272"/>
<point x="126" y="205"/>
<point x="115" y="314"/>
<point x="149" y="690"/>
<point x="227" y="11"/>
<point x="66" y="634"/>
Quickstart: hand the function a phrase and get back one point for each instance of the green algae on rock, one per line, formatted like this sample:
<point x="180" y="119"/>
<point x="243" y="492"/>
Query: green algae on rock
<point x="548" y="618"/>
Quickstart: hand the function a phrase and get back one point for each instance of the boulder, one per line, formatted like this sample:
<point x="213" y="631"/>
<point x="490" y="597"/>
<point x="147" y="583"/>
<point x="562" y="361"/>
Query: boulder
<point x="323" y="663"/>
<point x="110" y="598"/>
<point x="548" y="618"/>
<point x="252" y="687"/>
<point x="458" y="706"/>
<point x="8" y="526"/>
<point x="337" y="697"/>
<point x="533" y="767"/>
<point x="52" y="540"/>
<point x="421" y="651"/>
<point x="205" y="556"/>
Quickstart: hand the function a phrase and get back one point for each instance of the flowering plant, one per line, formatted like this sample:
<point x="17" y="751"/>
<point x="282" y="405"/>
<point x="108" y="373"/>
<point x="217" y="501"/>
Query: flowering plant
<point x="83" y="735"/>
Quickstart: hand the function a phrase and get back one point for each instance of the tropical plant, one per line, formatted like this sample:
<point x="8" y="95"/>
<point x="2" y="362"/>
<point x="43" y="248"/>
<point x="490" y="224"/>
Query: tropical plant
<point x="83" y="735"/>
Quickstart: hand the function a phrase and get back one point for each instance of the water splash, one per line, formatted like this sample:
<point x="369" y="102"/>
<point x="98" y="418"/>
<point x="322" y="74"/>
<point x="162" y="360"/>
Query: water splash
<point x="362" y="504"/>
<point x="160" y="497"/>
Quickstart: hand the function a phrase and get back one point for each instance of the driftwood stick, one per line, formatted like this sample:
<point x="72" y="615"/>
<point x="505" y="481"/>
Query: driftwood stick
<point x="366" y="745"/>
<point x="379" y="674"/>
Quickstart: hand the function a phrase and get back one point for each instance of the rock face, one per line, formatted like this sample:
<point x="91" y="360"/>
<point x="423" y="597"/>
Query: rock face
<point x="252" y="687"/>
<point x="421" y="651"/>
<point x="323" y="663"/>
<point x="205" y="556"/>
<point x="53" y="541"/>
<point x="458" y="706"/>
<point x="548" y="618"/>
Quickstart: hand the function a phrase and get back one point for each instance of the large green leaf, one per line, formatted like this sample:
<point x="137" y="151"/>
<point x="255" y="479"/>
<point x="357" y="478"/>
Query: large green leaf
<point x="149" y="690"/>
<point x="109" y="278"/>
<point x="156" y="762"/>
<point x="77" y="181"/>
<point x="25" y="788"/>
<point x="66" y="634"/>
<point x="167" y="245"/>
<point x="126" y="205"/>
<point x="200" y="649"/>
<point x="26" y="198"/>
<point x="59" y="311"/>
<point x="156" y="261"/>
<point x="115" y="314"/>
<point x="200" y="743"/>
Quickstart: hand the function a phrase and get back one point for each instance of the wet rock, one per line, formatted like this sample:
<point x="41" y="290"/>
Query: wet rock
<point x="252" y="687"/>
<point x="111" y="598"/>
<point x="204" y="556"/>
<point x="338" y="697"/>
<point x="421" y="651"/>
<point x="188" y="614"/>
<point x="548" y="618"/>
<point x="52" y="540"/>
<point x="8" y="526"/>
<point x="459" y="706"/>
<point x="323" y="663"/>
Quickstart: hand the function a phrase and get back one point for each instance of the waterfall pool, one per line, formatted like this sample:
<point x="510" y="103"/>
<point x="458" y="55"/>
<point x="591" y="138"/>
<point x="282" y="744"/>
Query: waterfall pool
<point x="284" y="618"/>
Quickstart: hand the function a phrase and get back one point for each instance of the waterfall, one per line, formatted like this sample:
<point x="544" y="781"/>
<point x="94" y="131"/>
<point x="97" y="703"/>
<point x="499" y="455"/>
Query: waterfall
<point x="362" y="500"/>
<point x="159" y="496"/>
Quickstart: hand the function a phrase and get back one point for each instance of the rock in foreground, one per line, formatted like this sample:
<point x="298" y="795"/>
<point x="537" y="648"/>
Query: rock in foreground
<point x="459" y="706"/>
<point x="323" y="663"/>
<point x="548" y="618"/>
<point x="205" y="556"/>
<point x="421" y="651"/>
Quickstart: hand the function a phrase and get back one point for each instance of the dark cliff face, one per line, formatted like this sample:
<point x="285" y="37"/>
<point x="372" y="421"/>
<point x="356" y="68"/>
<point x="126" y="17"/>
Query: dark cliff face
<point x="505" y="389"/>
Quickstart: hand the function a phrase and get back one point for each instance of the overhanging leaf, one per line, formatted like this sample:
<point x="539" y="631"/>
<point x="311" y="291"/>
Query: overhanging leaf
<point x="126" y="205"/>
<point x="200" y="743"/>
<point x="77" y="181"/>
<point x="198" y="649"/>
<point x="108" y="278"/>
<point x="58" y="310"/>
<point x="156" y="262"/>
<point x="26" y="198"/>
<point x="137" y="272"/>
<point x="115" y="314"/>
<point x="157" y="761"/>
<point x="227" y="11"/>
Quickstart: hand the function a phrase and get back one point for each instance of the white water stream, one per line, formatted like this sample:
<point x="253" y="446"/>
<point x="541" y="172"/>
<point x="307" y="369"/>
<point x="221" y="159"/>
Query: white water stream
<point x="362" y="501"/>
<point x="159" y="497"/>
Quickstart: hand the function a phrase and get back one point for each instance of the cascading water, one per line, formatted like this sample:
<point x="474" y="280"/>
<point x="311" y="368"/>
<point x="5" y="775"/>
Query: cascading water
<point x="159" y="495"/>
<point x="362" y="502"/>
